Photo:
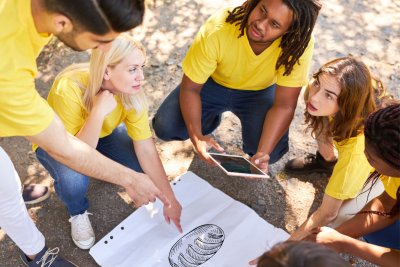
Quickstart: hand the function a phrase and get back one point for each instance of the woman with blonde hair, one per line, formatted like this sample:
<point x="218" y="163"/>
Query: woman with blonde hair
<point x="102" y="103"/>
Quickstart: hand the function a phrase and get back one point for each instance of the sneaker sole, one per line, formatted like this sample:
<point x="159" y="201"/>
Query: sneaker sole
<point x="83" y="246"/>
<point x="38" y="200"/>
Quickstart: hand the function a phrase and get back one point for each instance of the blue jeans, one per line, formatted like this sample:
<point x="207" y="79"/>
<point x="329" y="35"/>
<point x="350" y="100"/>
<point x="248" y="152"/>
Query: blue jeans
<point x="249" y="106"/>
<point x="71" y="187"/>
<point x="388" y="237"/>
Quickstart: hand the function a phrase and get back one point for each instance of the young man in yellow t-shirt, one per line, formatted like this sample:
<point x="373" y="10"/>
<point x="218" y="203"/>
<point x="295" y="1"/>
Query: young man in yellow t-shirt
<point x="251" y="60"/>
<point x="80" y="25"/>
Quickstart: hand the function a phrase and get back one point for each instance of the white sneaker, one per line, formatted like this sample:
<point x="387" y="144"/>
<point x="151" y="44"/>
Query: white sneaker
<point x="82" y="231"/>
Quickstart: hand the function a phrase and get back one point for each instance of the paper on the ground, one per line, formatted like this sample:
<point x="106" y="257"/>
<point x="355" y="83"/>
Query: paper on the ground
<point x="218" y="231"/>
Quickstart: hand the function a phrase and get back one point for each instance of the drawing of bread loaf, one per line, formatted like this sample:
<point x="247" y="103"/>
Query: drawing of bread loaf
<point x="197" y="246"/>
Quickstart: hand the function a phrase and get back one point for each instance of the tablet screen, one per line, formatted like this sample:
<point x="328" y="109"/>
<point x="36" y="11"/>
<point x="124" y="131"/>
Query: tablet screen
<point x="236" y="164"/>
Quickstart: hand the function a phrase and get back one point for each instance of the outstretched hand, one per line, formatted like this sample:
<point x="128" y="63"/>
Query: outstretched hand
<point x="142" y="191"/>
<point x="173" y="213"/>
<point x="202" y="144"/>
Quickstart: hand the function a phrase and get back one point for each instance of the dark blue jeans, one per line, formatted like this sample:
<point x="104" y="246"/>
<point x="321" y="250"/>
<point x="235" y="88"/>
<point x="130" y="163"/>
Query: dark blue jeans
<point x="388" y="237"/>
<point x="71" y="187"/>
<point x="249" y="106"/>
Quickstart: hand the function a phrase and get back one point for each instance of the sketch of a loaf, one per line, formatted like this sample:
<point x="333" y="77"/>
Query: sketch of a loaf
<point x="197" y="246"/>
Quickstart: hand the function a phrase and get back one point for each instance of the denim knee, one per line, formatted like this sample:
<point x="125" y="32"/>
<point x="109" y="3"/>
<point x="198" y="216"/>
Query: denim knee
<point x="168" y="123"/>
<point x="166" y="130"/>
<point x="71" y="187"/>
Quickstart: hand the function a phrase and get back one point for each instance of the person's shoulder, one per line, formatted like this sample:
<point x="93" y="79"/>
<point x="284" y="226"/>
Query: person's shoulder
<point x="353" y="145"/>
<point x="71" y="80"/>
<point x="12" y="16"/>
<point x="311" y="43"/>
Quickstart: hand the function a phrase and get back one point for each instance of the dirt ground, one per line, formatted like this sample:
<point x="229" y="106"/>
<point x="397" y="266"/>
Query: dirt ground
<point x="367" y="29"/>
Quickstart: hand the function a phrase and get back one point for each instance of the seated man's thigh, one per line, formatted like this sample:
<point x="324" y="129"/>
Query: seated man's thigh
<point x="168" y="123"/>
<point x="251" y="108"/>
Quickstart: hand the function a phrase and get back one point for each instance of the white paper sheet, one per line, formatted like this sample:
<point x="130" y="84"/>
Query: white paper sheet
<point x="218" y="231"/>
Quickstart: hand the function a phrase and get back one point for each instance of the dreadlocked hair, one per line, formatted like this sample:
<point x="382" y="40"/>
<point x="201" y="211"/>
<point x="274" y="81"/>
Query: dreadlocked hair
<point x="382" y="131"/>
<point x="356" y="99"/>
<point x="294" y="42"/>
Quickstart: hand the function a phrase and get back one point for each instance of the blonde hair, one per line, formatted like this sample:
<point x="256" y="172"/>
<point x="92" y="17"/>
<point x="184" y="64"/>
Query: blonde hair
<point x="121" y="47"/>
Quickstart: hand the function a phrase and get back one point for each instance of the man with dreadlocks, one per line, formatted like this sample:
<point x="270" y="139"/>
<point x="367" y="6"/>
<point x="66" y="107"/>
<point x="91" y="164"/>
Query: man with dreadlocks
<point x="378" y="221"/>
<point x="251" y="60"/>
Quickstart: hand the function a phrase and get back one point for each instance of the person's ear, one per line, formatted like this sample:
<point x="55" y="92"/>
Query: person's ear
<point x="107" y="75"/>
<point x="62" y="24"/>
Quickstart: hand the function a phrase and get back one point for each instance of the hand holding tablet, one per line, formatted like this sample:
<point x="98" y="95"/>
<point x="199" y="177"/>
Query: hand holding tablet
<point x="237" y="166"/>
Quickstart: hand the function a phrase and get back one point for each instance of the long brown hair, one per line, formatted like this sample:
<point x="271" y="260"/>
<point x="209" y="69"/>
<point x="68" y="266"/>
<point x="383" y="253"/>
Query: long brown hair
<point x="356" y="99"/>
<point x="296" y="39"/>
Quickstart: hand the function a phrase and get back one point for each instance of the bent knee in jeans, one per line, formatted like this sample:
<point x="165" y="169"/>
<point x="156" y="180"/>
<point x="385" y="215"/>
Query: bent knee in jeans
<point x="71" y="186"/>
<point x="168" y="123"/>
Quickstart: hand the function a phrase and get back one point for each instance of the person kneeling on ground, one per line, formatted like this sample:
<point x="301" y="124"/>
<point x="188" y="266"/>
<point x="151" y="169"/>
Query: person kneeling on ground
<point x="378" y="222"/>
<point x="27" y="26"/>
<point x="338" y="99"/>
<point x="103" y="104"/>
<point x="251" y="60"/>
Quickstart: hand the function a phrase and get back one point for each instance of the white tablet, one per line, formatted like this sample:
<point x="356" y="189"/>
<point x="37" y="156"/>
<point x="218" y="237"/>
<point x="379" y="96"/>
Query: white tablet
<point x="237" y="166"/>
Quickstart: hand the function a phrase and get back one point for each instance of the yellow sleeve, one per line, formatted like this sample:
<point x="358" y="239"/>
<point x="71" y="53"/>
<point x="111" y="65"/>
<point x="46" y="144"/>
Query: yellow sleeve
<point x="23" y="112"/>
<point x="391" y="185"/>
<point x="201" y="59"/>
<point x="299" y="75"/>
<point x="65" y="97"/>
<point x="350" y="172"/>
<point x="137" y="125"/>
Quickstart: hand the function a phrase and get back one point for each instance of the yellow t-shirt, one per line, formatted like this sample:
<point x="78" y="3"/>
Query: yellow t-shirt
<point x="218" y="52"/>
<point x="65" y="97"/>
<point x="351" y="170"/>
<point x="22" y="111"/>
<point x="391" y="185"/>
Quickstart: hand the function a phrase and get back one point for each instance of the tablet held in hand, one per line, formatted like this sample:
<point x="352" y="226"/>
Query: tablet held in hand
<point x="237" y="166"/>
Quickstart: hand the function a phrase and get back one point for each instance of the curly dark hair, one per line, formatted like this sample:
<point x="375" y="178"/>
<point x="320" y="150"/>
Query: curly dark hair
<point x="382" y="131"/>
<point x="295" y="41"/>
<point x="301" y="254"/>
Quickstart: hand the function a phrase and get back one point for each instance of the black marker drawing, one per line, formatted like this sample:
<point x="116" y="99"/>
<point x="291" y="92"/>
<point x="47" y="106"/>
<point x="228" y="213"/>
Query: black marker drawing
<point x="197" y="246"/>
